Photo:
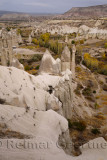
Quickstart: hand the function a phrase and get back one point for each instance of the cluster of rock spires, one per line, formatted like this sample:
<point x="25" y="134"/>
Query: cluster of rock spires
<point x="51" y="66"/>
<point x="39" y="106"/>
<point x="8" y="41"/>
<point x="84" y="31"/>
<point x="36" y="106"/>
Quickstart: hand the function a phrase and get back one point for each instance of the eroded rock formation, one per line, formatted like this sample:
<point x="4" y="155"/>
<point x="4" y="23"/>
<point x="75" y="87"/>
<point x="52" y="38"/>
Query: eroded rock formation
<point x="49" y="64"/>
<point x="65" y="59"/>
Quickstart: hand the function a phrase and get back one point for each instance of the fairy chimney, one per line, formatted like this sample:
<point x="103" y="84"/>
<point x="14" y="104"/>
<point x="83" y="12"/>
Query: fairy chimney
<point x="65" y="59"/>
<point x="49" y="65"/>
<point x="73" y="61"/>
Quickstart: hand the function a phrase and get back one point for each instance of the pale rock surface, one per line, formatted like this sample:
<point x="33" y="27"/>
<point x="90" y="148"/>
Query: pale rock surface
<point x="73" y="61"/>
<point x="97" y="33"/>
<point x="84" y="31"/>
<point x="17" y="64"/>
<point x="64" y="93"/>
<point x="21" y="89"/>
<point x="23" y="51"/>
<point x="49" y="65"/>
<point x="24" y="111"/>
<point x="32" y="33"/>
<point x="30" y="39"/>
<point x="20" y="39"/>
<point x="65" y="59"/>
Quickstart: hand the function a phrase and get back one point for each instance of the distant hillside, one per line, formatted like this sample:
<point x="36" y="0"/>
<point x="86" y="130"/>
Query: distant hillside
<point x="14" y="16"/>
<point x="6" y="12"/>
<point x="86" y="12"/>
<point x="8" y="15"/>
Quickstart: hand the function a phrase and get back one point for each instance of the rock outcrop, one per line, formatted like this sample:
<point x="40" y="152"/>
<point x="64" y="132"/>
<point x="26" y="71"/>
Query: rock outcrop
<point x="30" y="39"/>
<point x="6" y="47"/>
<point x="65" y="59"/>
<point x="84" y="31"/>
<point x="86" y="12"/>
<point x="49" y="65"/>
<point x="73" y="61"/>
<point x="15" y="63"/>
<point x="20" y="41"/>
<point x="65" y="95"/>
<point x="28" y="108"/>
<point x="7" y="42"/>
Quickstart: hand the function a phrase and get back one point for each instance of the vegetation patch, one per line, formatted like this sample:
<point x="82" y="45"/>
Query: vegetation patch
<point x="95" y="65"/>
<point x="2" y="101"/>
<point x="95" y="131"/>
<point x="27" y="68"/>
<point x="77" y="125"/>
<point x="77" y="90"/>
<point x="87" y="92"/>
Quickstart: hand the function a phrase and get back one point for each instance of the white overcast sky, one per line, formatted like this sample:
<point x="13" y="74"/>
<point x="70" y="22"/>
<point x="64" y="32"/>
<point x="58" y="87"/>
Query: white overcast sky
<point x="46" y="6"/>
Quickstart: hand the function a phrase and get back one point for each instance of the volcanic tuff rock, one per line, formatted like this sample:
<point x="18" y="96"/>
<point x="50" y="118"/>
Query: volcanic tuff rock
<point x="65" y="59"/>
<point x="24" y="110"/>
<point x="49" y="64"/>
<point x="86" y="12"/>
<point x="17" y="64"/>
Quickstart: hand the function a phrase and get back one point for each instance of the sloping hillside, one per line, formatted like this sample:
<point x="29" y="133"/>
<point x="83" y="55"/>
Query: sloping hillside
<point x="86" y="12"/>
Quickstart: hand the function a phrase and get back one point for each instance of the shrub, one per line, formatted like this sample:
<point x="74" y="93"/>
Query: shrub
<point x="70" y="124"/>
<point x="87" y="92"/>
<point x="77" y="125"/>
<point x="36" y="58"/>
<point x="8" y="29"/>
<point x="95" y="65"/>
<point x="91" y="62"/>
<point x="95" y="131"/>
<point x="94" y="92"/>
<point x="103" y="70"/>
<point x="81" y="41"/>
<point x="73" y="42"/>
<point x="105" y="45"/>
<point x="101" y="117"/>
<point x="37" y="68"/>
<point x="27" y="68"/>
<point x="77" y="90"/>
<point x="2" y="101"/>
<point x="21" y="61"/>
<point x="80" y="126"/>
<point x="30" y="47"/>
<point x="72" y="35"/>
<point x="78" y="69"/>
<point x="35" y="41"/>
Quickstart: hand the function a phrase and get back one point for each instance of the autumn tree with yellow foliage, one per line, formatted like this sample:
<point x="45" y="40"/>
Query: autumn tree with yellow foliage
<point x="94" y="65"/>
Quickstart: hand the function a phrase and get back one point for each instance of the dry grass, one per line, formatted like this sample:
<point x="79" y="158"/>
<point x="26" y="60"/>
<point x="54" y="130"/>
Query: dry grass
<point x="104" y="103"/>
<point x="97" y="97"/>
<point x="5" y="132"/>
<point x="33" y="72"/>
<point x="104" y="97"/>
<point x="101" y="117"/>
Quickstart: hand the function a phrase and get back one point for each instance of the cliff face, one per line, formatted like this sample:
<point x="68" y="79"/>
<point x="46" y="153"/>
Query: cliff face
<point x="87" y="12"/>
